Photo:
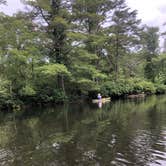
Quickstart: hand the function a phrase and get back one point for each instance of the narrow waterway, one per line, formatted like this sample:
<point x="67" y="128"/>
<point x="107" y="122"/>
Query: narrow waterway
<point x="120" y="133"/>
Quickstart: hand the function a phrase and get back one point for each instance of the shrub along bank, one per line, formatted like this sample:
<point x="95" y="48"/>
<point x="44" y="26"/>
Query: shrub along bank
<point x="119" y="88"/>
<point x="131" y="86"/>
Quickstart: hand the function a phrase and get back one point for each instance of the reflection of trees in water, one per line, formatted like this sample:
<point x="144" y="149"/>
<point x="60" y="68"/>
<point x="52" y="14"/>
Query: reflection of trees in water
<point x="124" y="132"/>
<point x="123" y="121"/>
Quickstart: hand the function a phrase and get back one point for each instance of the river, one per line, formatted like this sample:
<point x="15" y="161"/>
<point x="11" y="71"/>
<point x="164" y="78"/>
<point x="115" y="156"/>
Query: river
<point x="120" y="133"/>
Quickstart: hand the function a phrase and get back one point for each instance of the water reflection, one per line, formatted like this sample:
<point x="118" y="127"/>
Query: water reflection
<point x="130" y="132"/>
<point x="100" y="104"/>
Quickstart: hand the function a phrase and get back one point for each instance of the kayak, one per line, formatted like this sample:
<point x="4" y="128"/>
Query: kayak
<point x="103" y="100"/>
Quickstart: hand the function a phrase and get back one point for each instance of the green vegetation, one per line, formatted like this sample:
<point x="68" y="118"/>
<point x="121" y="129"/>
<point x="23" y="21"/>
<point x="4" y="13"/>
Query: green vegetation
<point x="64" y="51"/>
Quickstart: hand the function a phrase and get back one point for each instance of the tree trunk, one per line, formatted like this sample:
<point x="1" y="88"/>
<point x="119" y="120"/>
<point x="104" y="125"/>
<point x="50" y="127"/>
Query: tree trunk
<point x="116" y="59"/>
<point x="63" y="85"/>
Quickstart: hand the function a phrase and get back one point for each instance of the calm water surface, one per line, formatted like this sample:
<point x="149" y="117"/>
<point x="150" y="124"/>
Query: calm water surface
<point x="121" y="133"/>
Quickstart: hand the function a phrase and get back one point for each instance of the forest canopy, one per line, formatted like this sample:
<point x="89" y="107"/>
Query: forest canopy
<point x="61" y="49"/>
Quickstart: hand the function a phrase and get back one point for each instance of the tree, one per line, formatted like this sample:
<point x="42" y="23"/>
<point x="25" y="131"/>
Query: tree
<point x="3" y="2"/>
<point x="88" y="18"/>
<point x="54" y="17"/>
<point x="20" y="51"/>
<point x="150" y="38"/>
<point x="51" y="72"/>
<point x="160" y="68"/>
<point x="123" y="32"/>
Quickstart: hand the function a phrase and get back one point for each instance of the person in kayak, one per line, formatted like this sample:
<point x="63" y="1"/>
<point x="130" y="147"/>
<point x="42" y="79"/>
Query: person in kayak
<point x="99" y="97"/>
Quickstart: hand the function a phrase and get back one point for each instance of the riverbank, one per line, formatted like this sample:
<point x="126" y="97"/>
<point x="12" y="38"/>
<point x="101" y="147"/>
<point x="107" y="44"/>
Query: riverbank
<point x="131" y="88"/>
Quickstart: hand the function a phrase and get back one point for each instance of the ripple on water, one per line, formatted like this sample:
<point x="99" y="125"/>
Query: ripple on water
<point x="6" y="157"/>
<point x="120" y="161"/>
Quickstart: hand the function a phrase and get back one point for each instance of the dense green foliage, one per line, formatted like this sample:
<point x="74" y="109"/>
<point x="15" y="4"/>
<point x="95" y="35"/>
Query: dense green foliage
<point x="61" y="50"/>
